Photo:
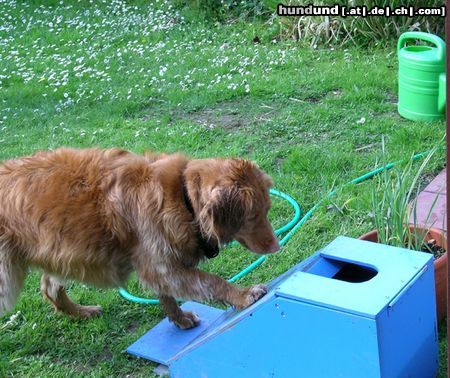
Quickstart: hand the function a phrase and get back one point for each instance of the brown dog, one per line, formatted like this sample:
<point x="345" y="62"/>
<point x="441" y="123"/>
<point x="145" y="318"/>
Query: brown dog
<point x="96" y="215"/>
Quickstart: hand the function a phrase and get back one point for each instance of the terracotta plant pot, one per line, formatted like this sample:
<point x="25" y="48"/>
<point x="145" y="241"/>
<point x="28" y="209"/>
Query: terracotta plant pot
<point x="440" y="268"/>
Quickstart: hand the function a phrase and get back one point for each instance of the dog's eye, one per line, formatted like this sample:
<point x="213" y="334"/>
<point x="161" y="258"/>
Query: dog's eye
<point x="252" y="218"/>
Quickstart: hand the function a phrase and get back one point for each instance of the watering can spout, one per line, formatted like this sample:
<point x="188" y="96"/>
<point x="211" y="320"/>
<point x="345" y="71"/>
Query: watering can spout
<point x="442" y="93"/>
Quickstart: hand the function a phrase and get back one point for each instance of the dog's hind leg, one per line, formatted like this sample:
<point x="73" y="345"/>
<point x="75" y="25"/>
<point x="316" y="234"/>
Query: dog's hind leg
<point x="183" y="319"/>
<point x="54" y="291"/>
<point x="12" y="275"/>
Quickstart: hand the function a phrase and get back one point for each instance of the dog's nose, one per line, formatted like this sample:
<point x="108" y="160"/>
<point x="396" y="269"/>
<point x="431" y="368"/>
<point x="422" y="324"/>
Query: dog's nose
<point x="273" y="246"/>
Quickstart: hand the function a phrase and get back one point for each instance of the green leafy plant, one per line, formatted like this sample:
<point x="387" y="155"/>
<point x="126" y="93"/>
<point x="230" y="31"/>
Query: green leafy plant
<point x="360" y="31"/>
<point x="393" y="192"/>
<point x="223" y="10"/>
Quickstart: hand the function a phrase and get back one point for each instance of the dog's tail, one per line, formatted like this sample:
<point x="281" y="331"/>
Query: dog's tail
<point x="12" y="275"/>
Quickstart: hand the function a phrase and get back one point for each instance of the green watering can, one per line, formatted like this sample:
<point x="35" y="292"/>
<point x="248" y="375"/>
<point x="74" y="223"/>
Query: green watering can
<point x="421" y="77"/>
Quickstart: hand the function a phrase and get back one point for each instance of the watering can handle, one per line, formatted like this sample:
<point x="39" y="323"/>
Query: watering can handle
<point x="434" y="39"/>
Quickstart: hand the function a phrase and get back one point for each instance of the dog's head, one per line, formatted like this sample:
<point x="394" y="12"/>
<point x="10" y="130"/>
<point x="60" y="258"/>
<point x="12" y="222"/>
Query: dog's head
<point x="231" y="200"/>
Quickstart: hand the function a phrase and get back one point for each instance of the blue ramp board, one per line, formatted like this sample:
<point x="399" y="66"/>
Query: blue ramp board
<point x="165" y="340"/>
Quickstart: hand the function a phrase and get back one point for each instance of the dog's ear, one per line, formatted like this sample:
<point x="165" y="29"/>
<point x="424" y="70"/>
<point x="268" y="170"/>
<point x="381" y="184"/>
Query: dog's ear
<point x="225" y="211"/>
<point x="240" y="170"/>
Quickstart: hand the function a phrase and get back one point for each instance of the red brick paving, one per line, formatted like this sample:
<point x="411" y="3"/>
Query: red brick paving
<point x="438" y="218"/>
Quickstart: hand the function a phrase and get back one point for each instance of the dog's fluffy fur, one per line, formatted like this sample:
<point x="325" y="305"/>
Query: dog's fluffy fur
<point x="96" y="215"/>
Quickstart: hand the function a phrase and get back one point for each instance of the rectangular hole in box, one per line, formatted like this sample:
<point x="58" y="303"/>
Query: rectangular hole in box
<point x="342" y="270"/>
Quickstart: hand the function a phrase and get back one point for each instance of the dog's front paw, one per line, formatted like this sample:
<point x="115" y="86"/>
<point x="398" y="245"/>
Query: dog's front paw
<point x="252" y="294"/>
<point x="188" y="320"/>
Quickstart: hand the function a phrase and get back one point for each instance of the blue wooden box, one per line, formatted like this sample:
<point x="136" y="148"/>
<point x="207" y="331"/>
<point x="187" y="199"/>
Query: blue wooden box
<point x="354" y="309"/>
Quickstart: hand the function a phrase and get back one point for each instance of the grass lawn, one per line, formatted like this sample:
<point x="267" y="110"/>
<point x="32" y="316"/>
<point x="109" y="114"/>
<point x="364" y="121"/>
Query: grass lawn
<point x="139" y="76"/>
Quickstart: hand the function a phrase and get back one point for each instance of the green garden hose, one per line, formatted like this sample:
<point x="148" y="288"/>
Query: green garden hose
<point x="294" y="224"/>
